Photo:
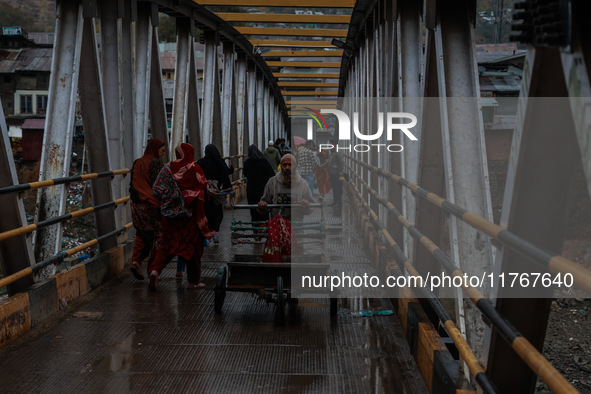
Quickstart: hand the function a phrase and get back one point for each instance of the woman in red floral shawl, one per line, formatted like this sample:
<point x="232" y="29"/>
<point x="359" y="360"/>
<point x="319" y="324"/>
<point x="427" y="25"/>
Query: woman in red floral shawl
<point x="181" y="188"/>
<point x="145" y="209"/>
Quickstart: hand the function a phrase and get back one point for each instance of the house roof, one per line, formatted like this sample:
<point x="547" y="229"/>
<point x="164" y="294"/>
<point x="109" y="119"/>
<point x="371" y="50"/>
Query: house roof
<point x="168" y="60"/>
<point x="37" y="124"/>
<point x="500" y="83"/>
<point x="41" y="38"/>
<point x="488" y="53"/>
<point x="26" y="59"/>
<point x="502" y="47"/>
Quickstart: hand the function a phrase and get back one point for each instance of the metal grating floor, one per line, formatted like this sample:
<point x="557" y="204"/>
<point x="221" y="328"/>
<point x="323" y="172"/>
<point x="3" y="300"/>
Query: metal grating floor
<point x="129" y="339"/>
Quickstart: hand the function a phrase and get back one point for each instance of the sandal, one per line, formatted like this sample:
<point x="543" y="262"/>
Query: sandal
<point x="196" y="285"/>
<point x="153" y="285"/>
<point x="135" y="270"/>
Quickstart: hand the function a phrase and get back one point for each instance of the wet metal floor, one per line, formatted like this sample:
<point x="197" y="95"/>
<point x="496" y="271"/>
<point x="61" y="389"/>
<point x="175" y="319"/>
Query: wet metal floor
<point x="129" y="339"/>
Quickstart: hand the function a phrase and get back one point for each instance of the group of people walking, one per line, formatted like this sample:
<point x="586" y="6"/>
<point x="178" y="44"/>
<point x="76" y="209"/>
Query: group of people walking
<point x="174" y="213"/>
<point x="322" y="169"/>
<point x="171" y="210"/>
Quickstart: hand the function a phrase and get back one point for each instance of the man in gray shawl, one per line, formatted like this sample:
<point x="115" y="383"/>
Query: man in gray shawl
<point x="287" y="187"/>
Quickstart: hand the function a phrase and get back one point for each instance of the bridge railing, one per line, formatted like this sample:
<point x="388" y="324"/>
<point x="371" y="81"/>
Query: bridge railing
<point x="60" y="256"/>
<point x="525" y="350"/>
<point x="555" y="264"/>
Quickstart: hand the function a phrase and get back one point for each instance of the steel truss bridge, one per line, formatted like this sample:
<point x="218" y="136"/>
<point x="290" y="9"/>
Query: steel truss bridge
<point x="279" y="64"/>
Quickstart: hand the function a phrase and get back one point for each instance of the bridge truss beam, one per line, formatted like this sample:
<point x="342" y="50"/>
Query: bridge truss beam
<point x="122" y="98"/>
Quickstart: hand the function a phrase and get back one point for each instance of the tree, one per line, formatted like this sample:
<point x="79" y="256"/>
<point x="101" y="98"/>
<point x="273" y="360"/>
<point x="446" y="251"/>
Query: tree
<point x="167" y="29"/>
<point x="46" y="21"/>
<point x="12" y="16"/>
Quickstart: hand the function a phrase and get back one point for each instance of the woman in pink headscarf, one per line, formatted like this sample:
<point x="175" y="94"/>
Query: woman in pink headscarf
<point x="180" y="188"/>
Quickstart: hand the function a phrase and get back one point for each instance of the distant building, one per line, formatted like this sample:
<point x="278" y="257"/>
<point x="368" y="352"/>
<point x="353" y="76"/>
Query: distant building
<point x="24" y="81"/>
<point x="25" y="66"/>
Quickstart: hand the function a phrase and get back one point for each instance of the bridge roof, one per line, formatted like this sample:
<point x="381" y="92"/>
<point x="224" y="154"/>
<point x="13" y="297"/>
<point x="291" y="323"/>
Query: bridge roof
<point x="298" y="41"/>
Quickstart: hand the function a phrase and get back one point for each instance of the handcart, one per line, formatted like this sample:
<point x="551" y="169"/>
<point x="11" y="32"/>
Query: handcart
<point x="273" y="281"/>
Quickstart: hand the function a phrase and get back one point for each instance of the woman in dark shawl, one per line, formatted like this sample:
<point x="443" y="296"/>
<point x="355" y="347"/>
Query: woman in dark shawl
<point x="215" y="169"/>
<point x="257" y="171"/>
<point x="181" y="189"/>
<point x="145" y="209"/>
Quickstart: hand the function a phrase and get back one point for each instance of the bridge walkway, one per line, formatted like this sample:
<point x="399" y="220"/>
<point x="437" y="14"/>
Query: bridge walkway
<point x="129" y="339"/>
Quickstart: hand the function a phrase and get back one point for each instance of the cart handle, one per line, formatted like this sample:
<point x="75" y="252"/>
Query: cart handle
<point x="251" y="206"/>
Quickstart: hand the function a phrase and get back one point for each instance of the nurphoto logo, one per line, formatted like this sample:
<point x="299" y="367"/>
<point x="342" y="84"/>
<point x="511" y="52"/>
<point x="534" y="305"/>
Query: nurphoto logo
<point x="393" y="120"/>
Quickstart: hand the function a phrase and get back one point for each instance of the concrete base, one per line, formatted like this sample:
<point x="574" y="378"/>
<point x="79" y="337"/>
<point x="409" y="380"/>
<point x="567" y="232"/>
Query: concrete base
<point x="23" y="311"/>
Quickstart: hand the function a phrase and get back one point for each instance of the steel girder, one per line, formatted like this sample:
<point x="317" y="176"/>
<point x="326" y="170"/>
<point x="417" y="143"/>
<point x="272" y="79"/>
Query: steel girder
<point x="17" y="254"/>
<point x="241" y="105"/>
<point x="446" y="158"/>
<point x="550" y="146"/>
<point x="464" y="152"/>
<point x="112" y="92"/>
<point x="123" y="91"/>
<point x="193" y="125"/>
<point x="158" y="121"/>
<point x="252" y="103"/>
<point x="229" y="144"/>
<point x="59" y="126"/>
<point x="143" y="65"/>
<point x="93" y="115"/>
<point x="260" y="111"/>
<point x="184" y="53"/>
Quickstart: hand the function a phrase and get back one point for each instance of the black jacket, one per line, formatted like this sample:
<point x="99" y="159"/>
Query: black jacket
<point x="257" y="173"/>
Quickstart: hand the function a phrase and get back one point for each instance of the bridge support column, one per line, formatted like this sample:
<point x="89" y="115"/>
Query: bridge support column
<point x="241" y="105"/>
<point x="59" y="126"/>
<point x="112" y="92"/>
<point x="211" y="126"/>
<point x="545" y="159"/>
<point x="266" y="113"/>
<point x="229" y="141"/>
<point x="576" y="66"/>
<point x="252" y="102"/>
<point x="410" y="87"/>
<point x="16" y="254"/>
<point x="430" y="174"/>
<point x="260" y="115"/>
<point x="181" y="83"/>
<point x="193" y="126"/>
<point x="143" y="56"/>
<point x="464" y="153"/>
<point x="276" y="122"/>
<point x="372" y="109"/>
<point x="128" y="20"/>
<point x="95" y="131"/>
<point x="158" y="121"/>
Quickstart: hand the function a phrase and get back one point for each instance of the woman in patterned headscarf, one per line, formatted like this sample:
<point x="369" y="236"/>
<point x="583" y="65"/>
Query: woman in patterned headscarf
<point x="257" y="171"/>
<point x="145" y="209"/>
<point x="181" y="189"/>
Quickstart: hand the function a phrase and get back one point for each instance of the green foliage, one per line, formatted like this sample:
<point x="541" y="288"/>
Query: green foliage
<point x="485" y="5"/>
<point x="32" y="16"/>
<point x="166" y="29"/>
<point x="12" y="16"/>
<point x="46" y="21"/>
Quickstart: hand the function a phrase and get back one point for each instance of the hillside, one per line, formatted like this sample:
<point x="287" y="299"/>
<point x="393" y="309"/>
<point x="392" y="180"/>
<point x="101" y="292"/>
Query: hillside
<point x="39" y="16"/>
<point x="32" y="15"/>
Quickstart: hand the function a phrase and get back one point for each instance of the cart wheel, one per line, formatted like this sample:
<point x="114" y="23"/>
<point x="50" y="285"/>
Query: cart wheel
<point x="280" y="310"/>
<point x="220" y="290"/>
<point x="334" y="304"/>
